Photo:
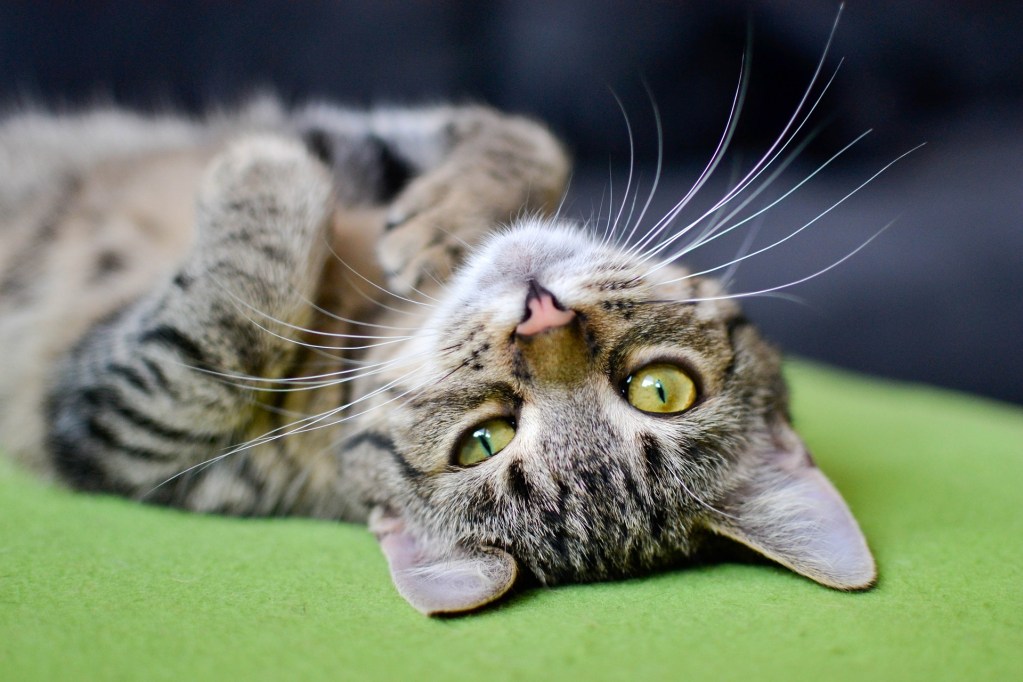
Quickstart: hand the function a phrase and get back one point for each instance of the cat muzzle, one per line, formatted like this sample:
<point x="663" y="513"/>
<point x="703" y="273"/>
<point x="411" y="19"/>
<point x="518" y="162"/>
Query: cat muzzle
<point x="550" y="340"/>
<point x="543" y="312"/>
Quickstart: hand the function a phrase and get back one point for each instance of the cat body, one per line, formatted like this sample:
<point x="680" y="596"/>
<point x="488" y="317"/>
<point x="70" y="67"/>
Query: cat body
<point x="374" y="316"/>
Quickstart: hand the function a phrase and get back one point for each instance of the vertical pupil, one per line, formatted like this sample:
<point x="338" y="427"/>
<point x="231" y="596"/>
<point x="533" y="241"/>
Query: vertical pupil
<point x="483" y="436"/>
<point x="660" y="391"/>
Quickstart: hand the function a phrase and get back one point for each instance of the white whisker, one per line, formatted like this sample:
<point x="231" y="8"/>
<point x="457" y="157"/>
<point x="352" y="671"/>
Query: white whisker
<point x="564" y="197"/>
<point x="390" y="340"/>
<point x="310" y="378"/>
<point x="300" y="426"/>
<point x="305" y="330"/>
<point x="765" y="162"/>
<point x="699" y="500"/>
<point x="612" y="227"/>
<point x="767" y="159"/>
<point x="361" y="323"/>
<point x="744" y="248"/>
<point x="708" y="171"/>
<point x="369" y="281"/>
<point x="376" y="302"/>
<point x="805" y="226"/>
<point x="716" y="220"/>
<point x="761" y="292"/>
<point x="714" y="234"/>
<point x="600" y="206"/>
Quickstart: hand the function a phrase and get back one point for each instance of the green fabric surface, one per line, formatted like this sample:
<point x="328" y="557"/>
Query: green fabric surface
<point x="101" y="588"/>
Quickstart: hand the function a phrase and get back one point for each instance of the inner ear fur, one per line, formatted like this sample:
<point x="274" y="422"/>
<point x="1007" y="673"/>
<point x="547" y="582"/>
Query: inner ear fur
<point x="787" y="510"/>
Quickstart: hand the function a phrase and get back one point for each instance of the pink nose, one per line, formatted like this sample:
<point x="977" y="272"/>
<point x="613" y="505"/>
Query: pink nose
<point x="543" y="312"/>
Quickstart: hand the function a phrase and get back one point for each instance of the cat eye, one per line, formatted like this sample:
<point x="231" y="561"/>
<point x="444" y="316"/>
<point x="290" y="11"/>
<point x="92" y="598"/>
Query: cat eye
<point x="660" y="388"/>
<point x="484" y="441"/>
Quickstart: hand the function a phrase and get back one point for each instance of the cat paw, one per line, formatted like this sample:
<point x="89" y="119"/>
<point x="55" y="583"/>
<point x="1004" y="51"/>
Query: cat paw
<point x="429" y="229"/>
<point x="263" y="209"/>
<point x="263" y="184"/>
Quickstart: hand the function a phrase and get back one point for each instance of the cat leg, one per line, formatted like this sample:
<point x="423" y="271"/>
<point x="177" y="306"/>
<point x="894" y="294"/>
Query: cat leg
<point x="498" y="168"/>
<point x="448" y="175"/>
<point x="157" y="389"/>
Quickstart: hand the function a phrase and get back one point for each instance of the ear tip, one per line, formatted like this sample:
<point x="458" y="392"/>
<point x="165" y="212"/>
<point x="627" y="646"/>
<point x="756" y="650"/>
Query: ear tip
<point x="859" y="584"/>
<point x="867" y="580"/>
<point x="858" y="578"/>
<point x="457" y="585"/>
<point x="493" y="583"/>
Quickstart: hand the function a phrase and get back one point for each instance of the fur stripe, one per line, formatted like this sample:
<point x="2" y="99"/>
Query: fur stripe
<point x="108" y="263"/>
<point x="653" y="457"/>
<point x="732" y="325"/>
<point x="518" y="484"/>
<point x="80" y="472"/>
<point x="130" y="375"/>
<point x="317" y="141"/>
<point x="381" y="442"/>
<point x="172" y="338"/>
<point x="104" y="398"/>
<point x="158" y="376"/>
<point x="554" y="523"/>
<point x="106" y="437"/>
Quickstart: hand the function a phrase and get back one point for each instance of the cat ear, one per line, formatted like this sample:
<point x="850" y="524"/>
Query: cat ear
<point x="441" y="582"/>
<point x="791" y="513"/>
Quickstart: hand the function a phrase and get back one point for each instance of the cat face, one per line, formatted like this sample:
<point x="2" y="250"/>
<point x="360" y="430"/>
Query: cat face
<point x="581" y="416"/>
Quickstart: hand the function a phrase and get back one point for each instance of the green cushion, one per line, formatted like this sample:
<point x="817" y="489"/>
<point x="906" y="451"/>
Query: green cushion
<point x="101" y="588"/>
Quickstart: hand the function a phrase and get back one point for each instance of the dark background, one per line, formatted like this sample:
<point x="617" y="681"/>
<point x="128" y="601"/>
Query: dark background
<point x="935" y="298"/>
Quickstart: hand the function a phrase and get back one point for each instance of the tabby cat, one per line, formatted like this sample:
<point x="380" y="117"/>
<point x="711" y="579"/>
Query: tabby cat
<point x="377" y="317"/>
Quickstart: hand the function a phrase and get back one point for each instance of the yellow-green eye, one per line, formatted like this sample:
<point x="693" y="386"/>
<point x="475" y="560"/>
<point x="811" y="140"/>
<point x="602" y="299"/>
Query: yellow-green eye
<point x="661" y="388"/>
<point x="484" y="441"/>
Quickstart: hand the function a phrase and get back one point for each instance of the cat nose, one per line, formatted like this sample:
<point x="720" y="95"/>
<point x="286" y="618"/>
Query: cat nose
<point x="543" y="312"/>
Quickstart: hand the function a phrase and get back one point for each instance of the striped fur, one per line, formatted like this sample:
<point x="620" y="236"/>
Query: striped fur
<point x="303" y="312"/>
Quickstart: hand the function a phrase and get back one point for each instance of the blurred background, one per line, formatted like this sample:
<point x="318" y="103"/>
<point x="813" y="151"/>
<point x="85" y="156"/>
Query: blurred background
<point x="935" y="298"/>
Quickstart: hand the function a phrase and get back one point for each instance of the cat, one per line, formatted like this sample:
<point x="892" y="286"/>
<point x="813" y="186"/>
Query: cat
<point x="378" y="316"/>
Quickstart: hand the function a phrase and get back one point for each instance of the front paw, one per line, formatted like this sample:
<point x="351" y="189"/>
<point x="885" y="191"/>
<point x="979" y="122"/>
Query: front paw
<point x="263" y="209"/>
<point x="429" y="230"/>
<point x="264" y="185"/>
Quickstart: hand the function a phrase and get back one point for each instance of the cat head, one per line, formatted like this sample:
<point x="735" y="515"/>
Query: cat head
<point x="578" y="414"/>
